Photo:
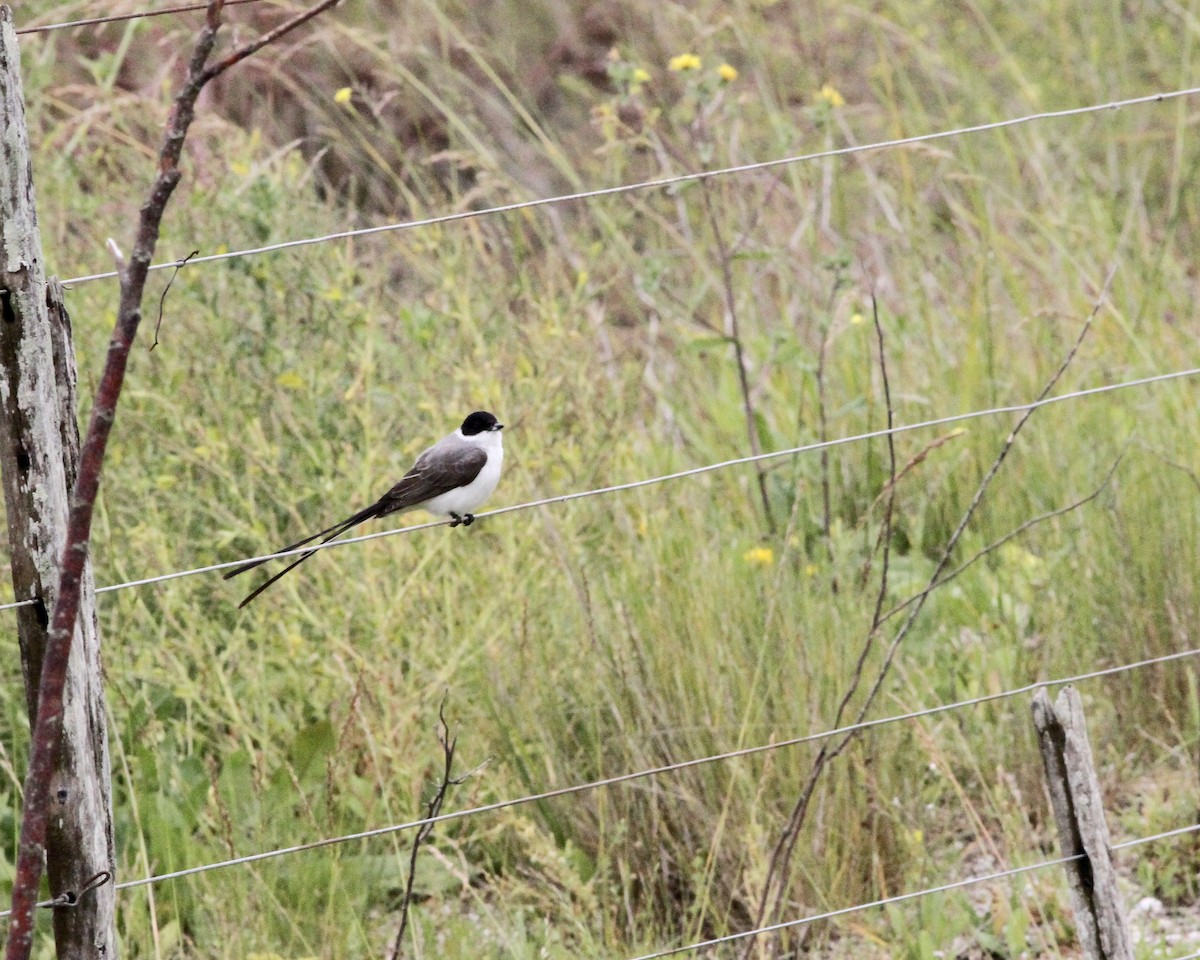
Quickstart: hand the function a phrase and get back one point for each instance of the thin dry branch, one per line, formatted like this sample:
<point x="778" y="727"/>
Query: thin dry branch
<point x="432" y="809"/>
<point x="1174" y="464"/>
<point x="827" y="334"/>
<point x="893" y="477"/>
<point x="776" y="885"/>
<point x="30" y="852"/>
<point x="781" y="855"/>
<point x="972" y="507"/>
<point x="914" y="461"/>
<point x="1013" y="534"/>
<point x="162" y="300"/>
<point x="734" y="335"/>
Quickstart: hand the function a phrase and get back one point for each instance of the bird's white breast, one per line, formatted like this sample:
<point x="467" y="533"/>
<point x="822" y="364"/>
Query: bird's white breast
<point x="469" y="498"/>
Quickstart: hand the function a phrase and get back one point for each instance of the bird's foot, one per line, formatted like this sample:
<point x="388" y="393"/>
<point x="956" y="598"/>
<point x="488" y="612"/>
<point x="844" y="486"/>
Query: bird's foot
<point x="466" y="519"/>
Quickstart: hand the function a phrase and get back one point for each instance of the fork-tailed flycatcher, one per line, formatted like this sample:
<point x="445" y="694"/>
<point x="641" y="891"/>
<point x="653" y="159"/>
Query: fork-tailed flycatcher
<point x="453" y="477"/>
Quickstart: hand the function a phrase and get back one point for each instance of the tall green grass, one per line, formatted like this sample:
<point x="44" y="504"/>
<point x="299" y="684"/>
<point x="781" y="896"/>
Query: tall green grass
<point x="613" y="634"/>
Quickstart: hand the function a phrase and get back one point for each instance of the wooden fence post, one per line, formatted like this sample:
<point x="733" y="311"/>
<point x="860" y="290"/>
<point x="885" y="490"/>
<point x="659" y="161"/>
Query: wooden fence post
<point x="39" y="450"/>
<point x="1082" y="830"/>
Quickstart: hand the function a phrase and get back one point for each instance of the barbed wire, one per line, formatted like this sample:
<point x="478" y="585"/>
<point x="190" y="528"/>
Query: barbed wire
<point x="651" y="772"/>
<point x="635" y="484"/>
<point x="900" y="898"/>
<point x="660" y="182"/>
<point x="118" y="17"/>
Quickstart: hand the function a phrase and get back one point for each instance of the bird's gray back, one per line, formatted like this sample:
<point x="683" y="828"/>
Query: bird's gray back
<point x="451" y="462"/>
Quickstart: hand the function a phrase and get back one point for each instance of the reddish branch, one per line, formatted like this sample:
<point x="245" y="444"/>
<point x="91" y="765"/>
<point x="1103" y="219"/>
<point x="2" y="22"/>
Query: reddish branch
<point x="30" y="853"/>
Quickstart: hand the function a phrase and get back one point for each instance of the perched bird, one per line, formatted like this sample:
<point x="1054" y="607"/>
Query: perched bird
<point x="453" y="477"/>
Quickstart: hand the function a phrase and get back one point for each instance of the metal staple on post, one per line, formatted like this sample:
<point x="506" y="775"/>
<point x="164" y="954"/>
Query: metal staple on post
<point x="1078" y="804"/>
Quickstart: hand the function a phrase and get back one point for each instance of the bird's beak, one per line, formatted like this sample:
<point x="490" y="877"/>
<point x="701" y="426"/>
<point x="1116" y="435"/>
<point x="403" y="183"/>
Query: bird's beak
<point x="498" y="426"/>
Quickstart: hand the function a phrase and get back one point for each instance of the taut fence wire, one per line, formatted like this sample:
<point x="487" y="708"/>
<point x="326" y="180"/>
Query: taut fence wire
<point x="120" y="17"/>
<point x="662" y="182"/>
<point x="657" y="771"/>
<point x="635" y="484"/>
<point x="901" y="898"/>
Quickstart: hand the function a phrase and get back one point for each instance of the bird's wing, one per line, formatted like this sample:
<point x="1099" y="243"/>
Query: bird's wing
<point x="438" y="470"/>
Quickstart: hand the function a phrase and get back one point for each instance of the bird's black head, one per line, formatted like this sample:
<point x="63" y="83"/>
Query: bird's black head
<point x="479" y="422"/>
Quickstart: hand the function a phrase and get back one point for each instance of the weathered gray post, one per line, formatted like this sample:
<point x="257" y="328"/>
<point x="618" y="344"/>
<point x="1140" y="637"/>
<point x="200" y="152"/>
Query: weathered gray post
<point x="1082" y="830"/>
<point x="39" y="451"/>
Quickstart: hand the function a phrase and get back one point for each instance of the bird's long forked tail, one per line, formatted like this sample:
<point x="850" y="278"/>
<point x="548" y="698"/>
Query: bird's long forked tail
<point x="329" y="533"/>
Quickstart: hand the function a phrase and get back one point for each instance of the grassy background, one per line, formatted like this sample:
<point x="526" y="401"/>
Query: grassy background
<point x="617" y="633"/>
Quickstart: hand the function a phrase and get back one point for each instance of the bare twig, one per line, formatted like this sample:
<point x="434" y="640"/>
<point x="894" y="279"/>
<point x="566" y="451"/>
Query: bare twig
<point x="36" y="812"/>
<point x="242" y="52"/>
<point x="889" y="509"/>
<point x="913" y="462"/>
<point x="781" y="855"/>
<point x="732" y="330"/>
<point x="823" y="427"/>
<point x="973" y="506"/>
<point x="114" y="249"/>
<point x="1175" y="464"/>
<point x="823" y="436"/>
<point x="733" y="333"/>
<point x="432" y="809"/>
<point x="775" y="886"/>
<point x="1013" y="534"/>
<point x="163" y="299"/>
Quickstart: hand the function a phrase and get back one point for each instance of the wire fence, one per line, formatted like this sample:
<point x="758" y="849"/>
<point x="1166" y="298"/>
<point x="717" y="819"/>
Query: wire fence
<point x="120" y="17"/>
<point x="867" y="905"/>
<point x="663" y="183"/>
<point x="651" y="772"/>
<point x="636" y="484"/>
<point x="658" y="183"/>
<point x="904" y="897"/>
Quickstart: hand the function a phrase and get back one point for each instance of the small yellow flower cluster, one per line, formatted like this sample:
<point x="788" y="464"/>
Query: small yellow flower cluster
<point x="626" y="77"/>
<point x="759" y="556"/>
<point x="343" y="96"/>
<point x="830" y="95"/>
<point x="684" y="62"/>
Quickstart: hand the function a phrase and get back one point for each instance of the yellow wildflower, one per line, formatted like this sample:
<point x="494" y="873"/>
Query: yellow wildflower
<point x="856" y="318"/>
<point x="759" y="556"/>
<point x="727" y="72"/>
<point x="810" y="569"/>
<point x="290" y="380"/>
<point x="640" y="75"/>
<point x="830" y="95"/>
<point x="343" y="96"/>
<point x="685" y="61"/>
